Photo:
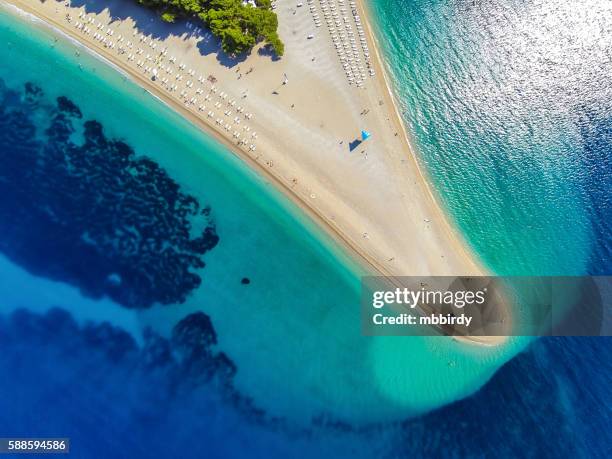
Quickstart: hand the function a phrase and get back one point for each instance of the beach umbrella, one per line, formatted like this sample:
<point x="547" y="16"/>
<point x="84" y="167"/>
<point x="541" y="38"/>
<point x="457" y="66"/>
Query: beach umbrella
<point x="365" y="135"/>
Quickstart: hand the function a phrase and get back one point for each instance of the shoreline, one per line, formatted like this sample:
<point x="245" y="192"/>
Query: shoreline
<point x="329" y="226"/>
<point x="452" y="230"/>
<point x="323" y="224"/>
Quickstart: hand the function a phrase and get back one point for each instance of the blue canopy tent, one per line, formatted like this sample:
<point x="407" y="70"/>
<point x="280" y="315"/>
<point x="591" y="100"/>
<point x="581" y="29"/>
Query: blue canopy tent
<point x="365" y="135"/>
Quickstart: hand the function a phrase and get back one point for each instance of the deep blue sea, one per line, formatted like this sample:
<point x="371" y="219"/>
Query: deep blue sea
<point x="158" y="299"/>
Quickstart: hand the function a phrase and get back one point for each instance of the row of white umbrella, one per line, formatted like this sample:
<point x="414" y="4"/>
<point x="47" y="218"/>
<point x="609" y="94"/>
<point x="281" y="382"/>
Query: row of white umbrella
<point x="161" y="69"/>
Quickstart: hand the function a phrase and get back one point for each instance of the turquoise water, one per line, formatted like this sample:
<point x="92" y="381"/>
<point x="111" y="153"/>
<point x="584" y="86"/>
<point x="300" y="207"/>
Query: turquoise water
<point x="224" y="368"/>
<point x="85" y="231"/>
<point x="506" y="101"/>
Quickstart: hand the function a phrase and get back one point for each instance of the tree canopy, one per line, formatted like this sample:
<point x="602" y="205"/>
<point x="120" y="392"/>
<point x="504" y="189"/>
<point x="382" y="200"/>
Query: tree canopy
<point x="239" y="25"/>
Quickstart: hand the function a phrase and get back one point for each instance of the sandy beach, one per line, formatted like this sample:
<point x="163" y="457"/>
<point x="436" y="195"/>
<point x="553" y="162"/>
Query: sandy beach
<point x="293" y="120"/>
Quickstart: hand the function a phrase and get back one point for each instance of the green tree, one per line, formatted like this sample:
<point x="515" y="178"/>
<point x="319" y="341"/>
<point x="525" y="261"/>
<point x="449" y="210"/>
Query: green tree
<point x="240" y="27"/>
<point x="168" y="17"/>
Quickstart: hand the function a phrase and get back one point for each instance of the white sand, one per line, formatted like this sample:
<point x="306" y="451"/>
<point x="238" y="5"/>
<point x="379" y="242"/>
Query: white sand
<point x="375" y="200"/>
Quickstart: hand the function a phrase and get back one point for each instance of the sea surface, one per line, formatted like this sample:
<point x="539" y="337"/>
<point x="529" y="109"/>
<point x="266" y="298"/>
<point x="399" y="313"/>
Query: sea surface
<point x="508" y="104"/>
<point x="159" y="299"/>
